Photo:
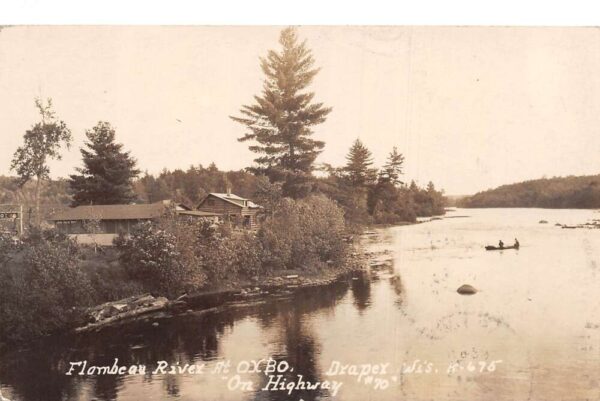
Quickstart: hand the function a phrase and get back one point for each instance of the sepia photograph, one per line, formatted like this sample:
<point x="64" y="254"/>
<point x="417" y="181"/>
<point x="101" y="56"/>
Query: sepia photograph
<point x="299" y="213"/>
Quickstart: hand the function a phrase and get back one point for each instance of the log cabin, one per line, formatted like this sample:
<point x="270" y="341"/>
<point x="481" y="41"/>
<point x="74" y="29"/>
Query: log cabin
<point x="112" y="220"/>
<point x="240" y="212"/>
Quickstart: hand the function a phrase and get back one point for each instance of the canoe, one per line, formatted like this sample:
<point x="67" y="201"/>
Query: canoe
<point x="495" y="248"/>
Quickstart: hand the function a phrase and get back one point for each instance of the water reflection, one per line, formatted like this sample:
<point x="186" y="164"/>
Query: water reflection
<point x="105" y="387"/>
<point x="300" y="350"/>
<point x="361" y="291"/>
<point x="191" y="338"/>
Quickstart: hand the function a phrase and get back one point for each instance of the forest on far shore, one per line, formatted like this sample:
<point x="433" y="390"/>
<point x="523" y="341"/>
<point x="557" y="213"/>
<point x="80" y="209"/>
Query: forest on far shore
<point x="576" y="192"/>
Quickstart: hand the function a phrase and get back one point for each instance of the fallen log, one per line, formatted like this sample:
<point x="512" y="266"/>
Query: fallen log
<point x="111" y="312"/>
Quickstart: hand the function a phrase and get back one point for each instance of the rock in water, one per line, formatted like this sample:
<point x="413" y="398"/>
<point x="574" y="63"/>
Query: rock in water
<point x="466" y="289"/>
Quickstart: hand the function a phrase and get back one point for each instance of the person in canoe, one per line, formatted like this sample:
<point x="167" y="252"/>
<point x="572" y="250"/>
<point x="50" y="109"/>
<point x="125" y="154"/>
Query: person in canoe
<point x="501" y="244"/>
<point x="517" y="244"/>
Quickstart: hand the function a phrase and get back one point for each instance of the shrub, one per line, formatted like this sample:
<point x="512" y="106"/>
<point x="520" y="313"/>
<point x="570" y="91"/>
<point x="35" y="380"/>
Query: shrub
<point x="8" y="246"/>
<point x="110" y="281"/>
<point x="304" y="234"/>
<point x="162" y="257"/>
<point x="226" y="257"/>
<point x="43" y="289"/>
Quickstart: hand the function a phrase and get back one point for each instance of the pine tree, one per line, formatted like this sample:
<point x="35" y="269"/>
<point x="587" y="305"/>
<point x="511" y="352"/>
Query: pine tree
<point x="436" y="199"/>
<point x="280" y="121"/>
<point x="108" y="171"/>
<point x="358" y="169"/>
<point x="430" y="187"/>
<point x="392" y="169"/>
<point x="41" y="143"/>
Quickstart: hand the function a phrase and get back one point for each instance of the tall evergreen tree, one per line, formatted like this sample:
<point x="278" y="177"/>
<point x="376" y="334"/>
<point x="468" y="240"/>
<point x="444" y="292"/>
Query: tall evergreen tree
<point x="358" y="170"/>
<point x="431" y="187"/>
<point x="108" y="171"/>
<point x="392" y="169"/>
<point x="281" y="119"/>
<point x="41" y="143"/>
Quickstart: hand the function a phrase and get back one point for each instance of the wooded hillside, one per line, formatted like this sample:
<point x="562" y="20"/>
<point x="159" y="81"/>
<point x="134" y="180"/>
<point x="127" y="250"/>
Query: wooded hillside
<point x="581" y="192"/>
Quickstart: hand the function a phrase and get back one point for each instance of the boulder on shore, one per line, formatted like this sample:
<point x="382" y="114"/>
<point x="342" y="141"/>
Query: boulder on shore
<point x="466" y="289"/>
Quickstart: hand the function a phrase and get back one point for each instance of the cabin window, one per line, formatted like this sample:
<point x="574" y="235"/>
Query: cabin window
<point x="75" y="227"/>
<point x="121" y="226"/>
<point x="110" y="226"/>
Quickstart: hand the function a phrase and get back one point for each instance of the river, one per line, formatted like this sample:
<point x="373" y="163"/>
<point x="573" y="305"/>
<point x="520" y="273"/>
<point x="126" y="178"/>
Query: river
<point x="531" y="332"/>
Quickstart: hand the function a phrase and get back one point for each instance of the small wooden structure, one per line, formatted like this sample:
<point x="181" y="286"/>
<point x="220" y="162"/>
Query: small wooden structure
<point x="11" y="219"/>
<point x="240" y="212"/>
<point x="108" y="221"/>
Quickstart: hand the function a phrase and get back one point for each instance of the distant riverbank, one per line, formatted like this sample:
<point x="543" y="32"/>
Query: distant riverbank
<point x="581" y="192"/>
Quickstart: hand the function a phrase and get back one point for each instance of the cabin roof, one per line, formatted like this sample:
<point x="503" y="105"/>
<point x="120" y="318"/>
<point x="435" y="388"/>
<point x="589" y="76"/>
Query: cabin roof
<point x="123" y="212"/>
<point x="199" y="213"/>
<point x="233" y="199"/>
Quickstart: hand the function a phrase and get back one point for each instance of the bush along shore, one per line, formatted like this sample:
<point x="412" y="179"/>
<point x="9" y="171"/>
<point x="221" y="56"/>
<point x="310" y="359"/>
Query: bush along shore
<point x="148" y="307"/>
<point x="280" y="284"/>
<point x="51" y="284"/>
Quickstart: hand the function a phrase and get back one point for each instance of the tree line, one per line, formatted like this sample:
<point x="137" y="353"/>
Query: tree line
<point x="368" y="195"/>
<point x="558" y="192"/>
<point x="279" y="128"/>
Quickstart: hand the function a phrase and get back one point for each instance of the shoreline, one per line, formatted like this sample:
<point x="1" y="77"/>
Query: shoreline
<point x="231" y="295"/>
<point x="248" y="293"/>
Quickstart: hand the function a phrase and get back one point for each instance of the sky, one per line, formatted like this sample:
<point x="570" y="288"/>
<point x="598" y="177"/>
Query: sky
<point x="470" y="108"/>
